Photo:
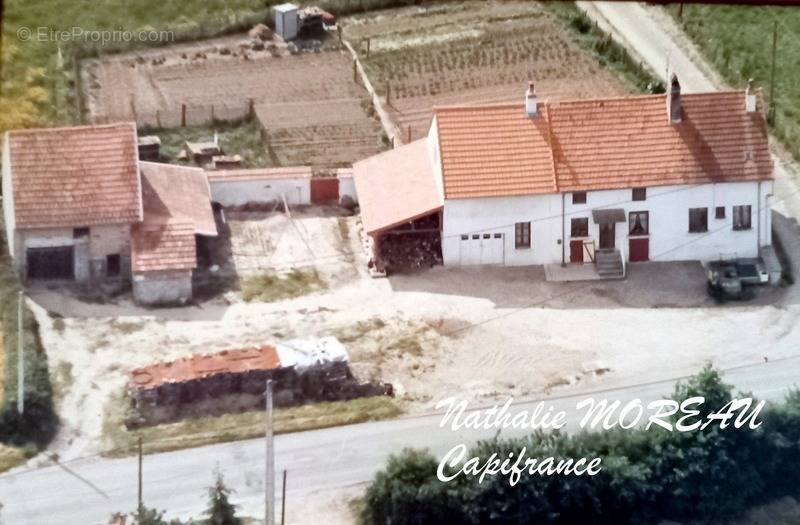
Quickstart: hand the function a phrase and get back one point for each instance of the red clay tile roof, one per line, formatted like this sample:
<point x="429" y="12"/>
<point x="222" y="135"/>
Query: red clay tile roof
<point x="163" y="245"/>
<point x="490" y="151"/>
<point x="628" y="142"/>
<point x="77" y="176"/>
<point x="244" y="174"/>
<point x="398" y="185"/>
<point x="601" y="144"/>
<point x="177" y="191"/>
<point x="202" y="366"/>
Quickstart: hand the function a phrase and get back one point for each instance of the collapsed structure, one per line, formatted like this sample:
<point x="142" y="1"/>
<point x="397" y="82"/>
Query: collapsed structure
<point x="234" y="380"/>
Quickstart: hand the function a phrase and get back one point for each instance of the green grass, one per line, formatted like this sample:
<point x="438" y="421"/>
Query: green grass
<point x="269" y="287"/>
<point x="233" y="427"/>
<point x="235" y="138"/>
<point x="606" y="51"/>
<point x="737" y="41"/>
<point x="11" y="457"/>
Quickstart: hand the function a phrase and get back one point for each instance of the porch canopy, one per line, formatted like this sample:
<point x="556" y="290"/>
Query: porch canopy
<point x="396" y="187"/>
<point x="608" y="216"/>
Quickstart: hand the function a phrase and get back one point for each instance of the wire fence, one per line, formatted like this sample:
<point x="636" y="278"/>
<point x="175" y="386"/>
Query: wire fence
<point x="183" y="115"/>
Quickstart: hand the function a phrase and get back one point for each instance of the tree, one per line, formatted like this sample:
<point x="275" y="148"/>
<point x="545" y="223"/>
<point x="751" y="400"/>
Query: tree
<point x="220" y="510"/>
<point x="145" y="516"/>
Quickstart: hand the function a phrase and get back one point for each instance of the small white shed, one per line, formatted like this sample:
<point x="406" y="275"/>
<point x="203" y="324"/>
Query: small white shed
<point x="286" y="21"/>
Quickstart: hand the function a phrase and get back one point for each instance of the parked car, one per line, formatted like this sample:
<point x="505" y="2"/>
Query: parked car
<point x="731" y="279"/>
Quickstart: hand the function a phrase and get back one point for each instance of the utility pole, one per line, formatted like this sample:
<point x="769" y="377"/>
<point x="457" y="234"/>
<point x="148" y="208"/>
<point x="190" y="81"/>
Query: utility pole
<point x="20" y="359"/>
<point x="283" y="499"/>
<point x="269" y="497"/>
<point x="771" y="115"/>
<point x="141" y="502"/>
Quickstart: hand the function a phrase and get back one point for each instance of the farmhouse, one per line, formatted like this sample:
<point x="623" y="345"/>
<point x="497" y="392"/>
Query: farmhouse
<point x="603" y="181"/>
<point x="80" y="206"/>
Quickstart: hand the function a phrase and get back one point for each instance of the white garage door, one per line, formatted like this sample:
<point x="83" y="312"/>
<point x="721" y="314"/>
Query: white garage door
<point x="482" y="248"/>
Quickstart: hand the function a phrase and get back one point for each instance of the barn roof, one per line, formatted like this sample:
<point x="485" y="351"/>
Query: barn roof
<point x="75" y="176"/>
<point x="396" y="186"/>
<point x="601" y="144"/>
<point x="163" y="244"/>
<point x="170" y="191"/>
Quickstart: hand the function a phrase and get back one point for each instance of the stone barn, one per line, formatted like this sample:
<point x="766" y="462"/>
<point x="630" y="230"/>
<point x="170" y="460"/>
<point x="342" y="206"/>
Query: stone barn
<point x="70" y="198"/>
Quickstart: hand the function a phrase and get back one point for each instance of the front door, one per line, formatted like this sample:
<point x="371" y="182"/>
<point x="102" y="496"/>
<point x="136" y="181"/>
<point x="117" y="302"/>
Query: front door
<point x="639" y="249"/>
<point x="576" y="251"/>
<point x="607" y="235"/>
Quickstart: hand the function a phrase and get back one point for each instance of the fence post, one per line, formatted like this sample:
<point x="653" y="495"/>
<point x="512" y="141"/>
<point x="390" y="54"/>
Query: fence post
<point x="213" y="118"/>
<point x="388" y="94"/>
<point x="158" y="118"/>
<point x="355" y="72"/>
<point x="183" y="115"/>
<point x="367" y="48"/>
<point x="251" y="108"/>
<point x="409" y="133"/>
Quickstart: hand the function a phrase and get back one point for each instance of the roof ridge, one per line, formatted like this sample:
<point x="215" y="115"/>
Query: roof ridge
<point x="82" y="127"/>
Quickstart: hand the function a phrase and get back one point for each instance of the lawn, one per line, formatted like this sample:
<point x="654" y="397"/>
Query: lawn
<point x="268" y="287"/>
<point x="737" y="40"/>
<point x="233" y="427"/>
<point x="235" y="138"/>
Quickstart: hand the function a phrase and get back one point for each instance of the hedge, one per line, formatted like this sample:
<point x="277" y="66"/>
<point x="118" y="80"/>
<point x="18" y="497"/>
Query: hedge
<point x="646" y="477"/>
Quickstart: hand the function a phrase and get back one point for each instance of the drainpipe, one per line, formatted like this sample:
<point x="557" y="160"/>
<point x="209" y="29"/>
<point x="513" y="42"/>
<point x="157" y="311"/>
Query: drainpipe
<point x="758" y="233"/>
<point x="563" y="230"/>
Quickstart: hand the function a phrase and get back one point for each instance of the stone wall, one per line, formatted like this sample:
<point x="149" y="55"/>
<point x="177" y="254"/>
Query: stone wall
<point x="162" y="288"/>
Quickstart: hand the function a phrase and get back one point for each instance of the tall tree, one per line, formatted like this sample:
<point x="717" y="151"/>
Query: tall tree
<point x="220" y="510"/>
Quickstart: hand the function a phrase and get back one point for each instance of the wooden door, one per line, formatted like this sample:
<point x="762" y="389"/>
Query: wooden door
<point x="576" y="251"/>
<point x="607" y="236"/>
<point x="639" y="249"/>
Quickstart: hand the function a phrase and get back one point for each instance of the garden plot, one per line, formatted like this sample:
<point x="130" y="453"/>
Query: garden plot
<point x="472" y="52"/>
<point x="312" y="110"/>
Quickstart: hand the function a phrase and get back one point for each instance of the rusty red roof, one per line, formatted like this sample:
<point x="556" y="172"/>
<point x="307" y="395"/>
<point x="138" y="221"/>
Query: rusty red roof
<point x="202" y="366"/>
<point x="75" y="176"/>
<point x="601" y="144"/>
<point x="180" y="192"/>
<point x="161" y="245"/>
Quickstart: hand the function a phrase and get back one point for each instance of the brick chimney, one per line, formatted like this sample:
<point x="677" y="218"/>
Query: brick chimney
<point x="531" y="108"/>
<point x="750" y="97"/>
<point x="674" y="100"/>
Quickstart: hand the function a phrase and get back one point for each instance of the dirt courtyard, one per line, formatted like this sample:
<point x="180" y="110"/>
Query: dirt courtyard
<point x="475" y="332"/>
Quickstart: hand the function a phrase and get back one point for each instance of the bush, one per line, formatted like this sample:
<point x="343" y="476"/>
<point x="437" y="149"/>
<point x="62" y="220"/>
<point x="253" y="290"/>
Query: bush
<point x="647" y="476"/>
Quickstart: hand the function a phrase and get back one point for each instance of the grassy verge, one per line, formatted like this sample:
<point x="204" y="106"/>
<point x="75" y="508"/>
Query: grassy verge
<point x="268" y="287"/>
<point x="606" y="51"/>
<point x="38" y="424"/>
<point x="235" y="138"/>
<point x="737" y="41"/>
<point x="11" y="457"/>
<point x="233" y="427"/>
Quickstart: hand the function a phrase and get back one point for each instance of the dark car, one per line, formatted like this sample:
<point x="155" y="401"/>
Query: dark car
<point x="725" y="281"/>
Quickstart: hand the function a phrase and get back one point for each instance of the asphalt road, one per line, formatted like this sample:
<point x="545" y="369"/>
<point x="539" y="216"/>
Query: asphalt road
<point x="319" y="460"/>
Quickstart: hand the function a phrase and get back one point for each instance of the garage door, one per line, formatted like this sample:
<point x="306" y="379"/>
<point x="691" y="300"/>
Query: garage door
<point x="50" y="263"/>
<point x="482" y="248"/>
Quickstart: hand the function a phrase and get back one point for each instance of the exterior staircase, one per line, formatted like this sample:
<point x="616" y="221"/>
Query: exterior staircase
<point x="609" y="263"/>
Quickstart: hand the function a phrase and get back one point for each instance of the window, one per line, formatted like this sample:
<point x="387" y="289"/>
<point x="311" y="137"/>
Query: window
<point x="522" y="235"/>
<point x="639" y="223"/>
<point x="475" y="236"/>
<point x="498" y="235"/>
<point x="742" y="217"/>
<point x="579" y="197"/>
<point x="719" y="212"/>
<point x="579" y="227"/>
<point x="112" y="265"/>
<point x="465" y="237"/>
<point x="698" y="220"/>
<point x="78" y="233"/>
<point x="487" y="235"/>
<point x="639" y="194"/>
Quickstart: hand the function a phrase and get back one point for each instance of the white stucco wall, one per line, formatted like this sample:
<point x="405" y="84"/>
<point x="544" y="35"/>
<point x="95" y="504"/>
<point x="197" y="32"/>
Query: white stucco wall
<point x="347" y="187"/>
<point x="668" y="208"/>
<point x="433" y="149"/>
<point x="239" y="192"/>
